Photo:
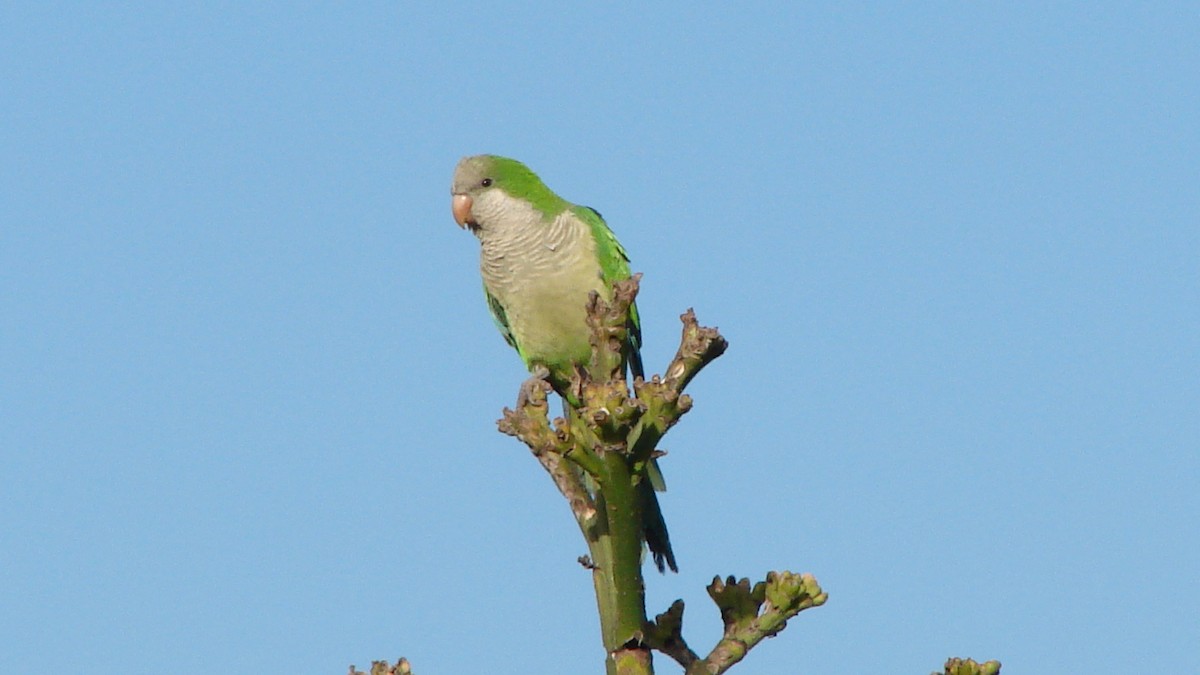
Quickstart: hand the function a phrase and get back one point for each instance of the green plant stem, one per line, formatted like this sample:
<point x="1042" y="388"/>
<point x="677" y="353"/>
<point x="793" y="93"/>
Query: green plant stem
<point x="616" y="548"/>
<point x="623" y="583"/>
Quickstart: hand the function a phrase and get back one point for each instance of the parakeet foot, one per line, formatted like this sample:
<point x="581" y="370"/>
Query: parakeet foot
<point x="538" y="382"/>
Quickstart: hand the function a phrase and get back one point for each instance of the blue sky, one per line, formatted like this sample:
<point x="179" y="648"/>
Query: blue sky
<point x="248" y="383"/>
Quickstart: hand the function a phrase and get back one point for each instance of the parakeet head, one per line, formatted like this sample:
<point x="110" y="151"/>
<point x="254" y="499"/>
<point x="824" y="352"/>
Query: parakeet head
<point x="482" y="177"/>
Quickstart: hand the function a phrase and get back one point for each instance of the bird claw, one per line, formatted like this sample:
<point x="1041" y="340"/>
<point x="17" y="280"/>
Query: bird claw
<point x="538" y="383"/>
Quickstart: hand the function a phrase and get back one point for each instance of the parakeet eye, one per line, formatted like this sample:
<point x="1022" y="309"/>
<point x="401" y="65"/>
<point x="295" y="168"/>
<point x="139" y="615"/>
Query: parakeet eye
<point x="487" y="182"/>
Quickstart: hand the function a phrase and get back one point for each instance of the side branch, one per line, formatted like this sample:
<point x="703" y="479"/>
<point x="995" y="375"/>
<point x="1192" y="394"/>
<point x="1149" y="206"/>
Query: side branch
<point x="697" y="348"/>
<point x="753" y="614"/>
<point x="401" y="667"/>
<point x="957" y="666"/>
<point x="551" y="447"/>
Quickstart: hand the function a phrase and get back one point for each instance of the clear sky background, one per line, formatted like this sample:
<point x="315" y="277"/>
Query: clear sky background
<point x="248" y="384"/>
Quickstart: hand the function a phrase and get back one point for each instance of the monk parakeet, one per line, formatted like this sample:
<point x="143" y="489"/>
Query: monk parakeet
<point x="541" y="256"/>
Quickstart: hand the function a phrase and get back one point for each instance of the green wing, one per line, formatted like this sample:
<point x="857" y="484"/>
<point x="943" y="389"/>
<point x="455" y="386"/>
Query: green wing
<point x="614" y="265"/>
<point x="501" y="319"/>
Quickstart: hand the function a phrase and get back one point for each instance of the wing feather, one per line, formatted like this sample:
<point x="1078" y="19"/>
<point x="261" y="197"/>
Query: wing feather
<point x="614" y="265"/>
<point x="501" y="319"/>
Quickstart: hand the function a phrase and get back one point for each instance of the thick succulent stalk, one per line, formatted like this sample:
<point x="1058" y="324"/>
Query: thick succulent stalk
<point x="598" y="458"/>
<point x="608" y="443"/>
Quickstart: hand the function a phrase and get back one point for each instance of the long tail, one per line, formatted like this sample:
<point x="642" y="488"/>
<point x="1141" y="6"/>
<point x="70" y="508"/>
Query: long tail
<point x="654" y="529"/>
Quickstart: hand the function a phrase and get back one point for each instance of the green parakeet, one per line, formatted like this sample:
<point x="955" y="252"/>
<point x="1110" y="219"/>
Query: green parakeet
<point x="540" y="257"/>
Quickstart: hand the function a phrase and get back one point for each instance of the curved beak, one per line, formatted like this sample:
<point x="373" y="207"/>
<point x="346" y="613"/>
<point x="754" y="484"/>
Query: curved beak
<point x="460" y="206"/>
